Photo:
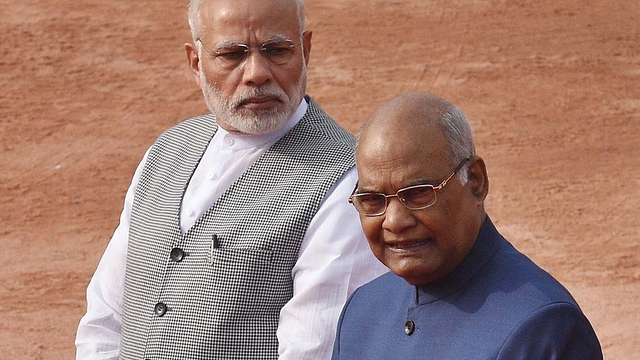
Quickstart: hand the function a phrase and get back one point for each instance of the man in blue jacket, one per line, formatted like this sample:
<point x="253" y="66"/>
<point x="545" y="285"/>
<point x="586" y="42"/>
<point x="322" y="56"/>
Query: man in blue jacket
<point x="457" y="289"/>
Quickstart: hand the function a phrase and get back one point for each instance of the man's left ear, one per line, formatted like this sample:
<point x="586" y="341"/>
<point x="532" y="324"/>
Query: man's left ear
<point x="306" y="43"/>
<point x="478" y="178"/>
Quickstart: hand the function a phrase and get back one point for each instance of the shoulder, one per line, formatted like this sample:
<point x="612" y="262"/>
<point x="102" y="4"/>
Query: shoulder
<point x="317" y="142"/>
<point x="541" y="318"/>
<point x="324" y="126"/>
<point x="512" y="273"/>
<point x="557" y="329"/>
<point x="202" y="124"/>
<point x="189" y="135"/>
<point x="187" y="138"/>
<point x="528" y="279"/>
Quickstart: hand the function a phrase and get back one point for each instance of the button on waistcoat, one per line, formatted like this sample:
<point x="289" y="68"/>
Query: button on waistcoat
<point x="216" y="291"/>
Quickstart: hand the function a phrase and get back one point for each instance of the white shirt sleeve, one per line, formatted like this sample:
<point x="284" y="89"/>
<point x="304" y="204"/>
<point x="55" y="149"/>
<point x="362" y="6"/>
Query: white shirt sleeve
<point x="98" y="335"/>
<point x="334" y="260"/>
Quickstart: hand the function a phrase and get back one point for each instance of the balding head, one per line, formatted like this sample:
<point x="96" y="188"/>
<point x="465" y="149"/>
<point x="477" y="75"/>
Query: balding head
<point x="412" y="109"/>
<point x="414" y="117"/>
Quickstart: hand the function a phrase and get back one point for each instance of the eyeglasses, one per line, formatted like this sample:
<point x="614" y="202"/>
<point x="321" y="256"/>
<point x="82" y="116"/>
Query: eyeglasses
<point x="413" y="197"/>
<point x="278" y="52"/>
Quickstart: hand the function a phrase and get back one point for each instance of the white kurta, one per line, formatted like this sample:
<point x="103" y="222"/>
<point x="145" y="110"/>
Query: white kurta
<point x="334" y="257"/>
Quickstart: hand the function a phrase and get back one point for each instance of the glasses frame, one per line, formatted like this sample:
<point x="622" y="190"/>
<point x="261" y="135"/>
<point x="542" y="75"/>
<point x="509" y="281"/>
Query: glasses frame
<point x="435" y="189"/>
<point x="246" y="49"/>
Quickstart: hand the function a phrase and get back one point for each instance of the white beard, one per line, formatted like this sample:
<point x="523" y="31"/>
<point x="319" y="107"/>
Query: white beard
<point x="250" y="121"/>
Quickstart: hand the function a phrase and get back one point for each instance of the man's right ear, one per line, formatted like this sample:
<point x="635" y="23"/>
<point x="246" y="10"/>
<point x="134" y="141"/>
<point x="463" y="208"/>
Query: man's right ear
<point x="194" y="61"/>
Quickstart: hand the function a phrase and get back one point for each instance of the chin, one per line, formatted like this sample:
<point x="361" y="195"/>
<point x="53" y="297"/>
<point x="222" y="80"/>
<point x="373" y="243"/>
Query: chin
<point x="409" y="275"/>
<point x="414" y="274"/>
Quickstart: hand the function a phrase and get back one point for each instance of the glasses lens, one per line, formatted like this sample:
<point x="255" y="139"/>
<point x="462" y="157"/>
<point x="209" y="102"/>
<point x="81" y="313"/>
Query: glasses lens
<point x="370" y="204"/>
<point x="278" y="52"/>
<point x="417" y="197"/>
<point x="232" y="56"/>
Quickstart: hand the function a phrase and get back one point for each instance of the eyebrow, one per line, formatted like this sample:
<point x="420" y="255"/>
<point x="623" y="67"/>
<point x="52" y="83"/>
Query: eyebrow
<point x="231" y="43"/>
<point x="279" y="38"/>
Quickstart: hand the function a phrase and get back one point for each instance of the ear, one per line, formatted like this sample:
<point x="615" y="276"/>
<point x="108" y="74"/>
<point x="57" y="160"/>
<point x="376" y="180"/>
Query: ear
<point x="478" y="179"/>
<point x="193" y="60"/>
<point x="306" y="41"/>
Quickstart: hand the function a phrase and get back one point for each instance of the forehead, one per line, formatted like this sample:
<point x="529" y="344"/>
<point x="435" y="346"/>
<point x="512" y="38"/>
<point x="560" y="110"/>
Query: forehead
<point x="245" y="20"/>
<point x="396" y="154"/>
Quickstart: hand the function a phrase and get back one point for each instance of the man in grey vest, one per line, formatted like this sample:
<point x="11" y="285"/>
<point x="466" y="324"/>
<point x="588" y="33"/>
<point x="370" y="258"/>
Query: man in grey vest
<point x="236" y="240"/>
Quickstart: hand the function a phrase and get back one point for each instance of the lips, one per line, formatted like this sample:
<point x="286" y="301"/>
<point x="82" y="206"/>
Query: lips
<point x="408" y="245"/>
<point x="260" y="102"/>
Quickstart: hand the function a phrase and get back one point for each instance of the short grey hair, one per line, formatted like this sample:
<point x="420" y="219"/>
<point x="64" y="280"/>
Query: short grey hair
<point x="457" y="129"/>
<point x="195" y="20"/>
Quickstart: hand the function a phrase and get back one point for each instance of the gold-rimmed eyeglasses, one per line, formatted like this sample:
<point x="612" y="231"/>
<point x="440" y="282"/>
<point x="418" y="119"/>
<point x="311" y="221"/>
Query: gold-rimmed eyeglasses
<point x="277" y="51"/>
<point x="413" y="197"/>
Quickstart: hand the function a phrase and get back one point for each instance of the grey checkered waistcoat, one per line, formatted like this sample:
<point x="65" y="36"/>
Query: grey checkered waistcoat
<point x="216" y="291"/>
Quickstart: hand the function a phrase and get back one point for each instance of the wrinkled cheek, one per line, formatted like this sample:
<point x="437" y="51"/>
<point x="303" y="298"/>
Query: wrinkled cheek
<point x="372" y="230"/>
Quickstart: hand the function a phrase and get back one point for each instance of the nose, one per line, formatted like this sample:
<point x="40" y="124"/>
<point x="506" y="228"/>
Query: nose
<point x="257" y="69"/>
<point x="397" y="217"/>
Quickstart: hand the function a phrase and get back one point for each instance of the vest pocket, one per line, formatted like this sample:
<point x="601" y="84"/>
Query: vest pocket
<point x="226" y="256"/>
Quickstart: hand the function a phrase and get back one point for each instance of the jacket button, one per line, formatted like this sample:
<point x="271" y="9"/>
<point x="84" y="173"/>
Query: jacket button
<point x="177" y="254"/>
<point x="160" y="309"/>
<point x="409" y="327"/>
